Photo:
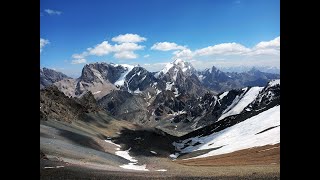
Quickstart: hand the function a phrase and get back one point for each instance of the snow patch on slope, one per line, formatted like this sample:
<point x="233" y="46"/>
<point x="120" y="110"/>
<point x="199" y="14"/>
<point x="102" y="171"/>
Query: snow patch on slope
<point x="223" y="94"/>
<point x="109" y="141"/>
<point x="137" y="91"/>
<point x="163" y="170"/>
<point x="169" y="85"/>
<point x="242" y="103"/>
<point x="125" y="154"/>
<point x="274" y="82"/>
<point x="133" y="166"/>
<point x="122" y="78"/>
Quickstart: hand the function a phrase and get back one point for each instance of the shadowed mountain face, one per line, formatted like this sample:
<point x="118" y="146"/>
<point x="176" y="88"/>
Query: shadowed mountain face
<point x="55" y="105"/>
<point x="142" y="141"/>
<point x="49" y="76"/>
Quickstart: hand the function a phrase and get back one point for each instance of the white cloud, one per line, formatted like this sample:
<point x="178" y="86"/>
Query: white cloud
<point x="79" y="61"/>
<point x="101" y="49"/>
<point x="266" y="48"/>
<point x="43" y="42"/>
<point x="275" y="43"/>
<point x="125" y="50"/>
<point x="125" y="55"/>
<point x="127" y="47"/>
<point x="167" y="46"/>
<point x="224" y="48"/>
<point x="147" y="55"/>
<point x="185" y="54"/>
<point x="127" y="38"/>
<point x="52" y="12"/>
<point x="122" y="51"/>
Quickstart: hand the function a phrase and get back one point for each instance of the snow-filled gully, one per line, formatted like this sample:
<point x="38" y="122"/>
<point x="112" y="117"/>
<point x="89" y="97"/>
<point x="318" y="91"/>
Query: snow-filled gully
<point x="132" y="165"/>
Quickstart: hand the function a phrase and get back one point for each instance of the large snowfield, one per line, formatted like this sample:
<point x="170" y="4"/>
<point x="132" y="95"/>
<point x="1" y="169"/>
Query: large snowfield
<point x="246" y="134"/>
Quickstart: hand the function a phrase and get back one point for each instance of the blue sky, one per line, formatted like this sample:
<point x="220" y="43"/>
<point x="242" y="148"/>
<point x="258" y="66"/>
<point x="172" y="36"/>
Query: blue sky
<point x="153" y="32"/>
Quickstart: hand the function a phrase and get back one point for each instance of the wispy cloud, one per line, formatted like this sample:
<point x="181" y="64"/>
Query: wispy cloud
<point x="153" y="67"/>
<point x="52" y="12"/>
<point x="78" y="61"/>
<point x="43" y="42"/>
<point x="80" y="56"/>
<point x="147" y="55"/>
<point x="125" y="55"/>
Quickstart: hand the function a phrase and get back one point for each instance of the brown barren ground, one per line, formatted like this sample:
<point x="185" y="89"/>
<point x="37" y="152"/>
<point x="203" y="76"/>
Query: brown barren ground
<point x="264" y="155"/>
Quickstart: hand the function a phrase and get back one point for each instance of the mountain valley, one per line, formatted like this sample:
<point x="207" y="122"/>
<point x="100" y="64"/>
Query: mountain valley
<point x="177" y="123"/>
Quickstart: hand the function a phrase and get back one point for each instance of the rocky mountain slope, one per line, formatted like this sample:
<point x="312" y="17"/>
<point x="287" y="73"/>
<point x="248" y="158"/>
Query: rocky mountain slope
<point x="49" y="76"/>
<point x="256" y="116"/>
<point x="55" y="105"/>
<point x="182" y="114"/>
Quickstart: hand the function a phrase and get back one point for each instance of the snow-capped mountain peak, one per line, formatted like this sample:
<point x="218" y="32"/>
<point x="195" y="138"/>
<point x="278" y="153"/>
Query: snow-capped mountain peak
<point x="183" y="65"/>
<point x="174" y="66"/>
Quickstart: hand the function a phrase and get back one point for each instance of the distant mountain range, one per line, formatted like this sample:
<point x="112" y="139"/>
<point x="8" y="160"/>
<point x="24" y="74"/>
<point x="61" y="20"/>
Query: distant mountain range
<point x="178" y="99"/>
<point x="239" y="69"/>
<point x="180" y="76"/>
